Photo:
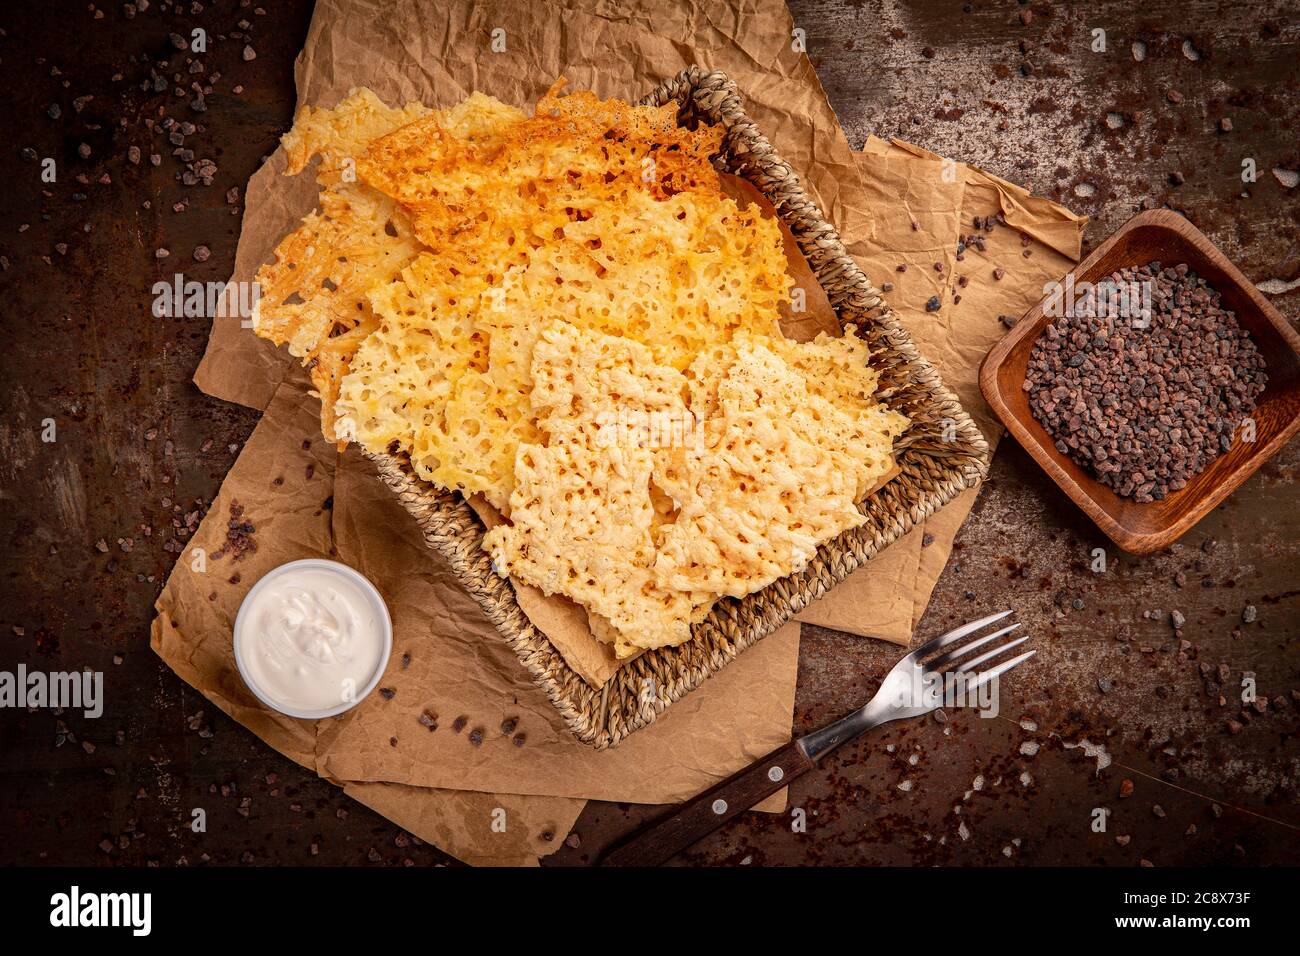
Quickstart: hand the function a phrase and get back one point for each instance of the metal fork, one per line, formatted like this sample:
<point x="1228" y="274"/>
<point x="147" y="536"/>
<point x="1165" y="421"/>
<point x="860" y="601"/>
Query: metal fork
<point x="917" y="684"/>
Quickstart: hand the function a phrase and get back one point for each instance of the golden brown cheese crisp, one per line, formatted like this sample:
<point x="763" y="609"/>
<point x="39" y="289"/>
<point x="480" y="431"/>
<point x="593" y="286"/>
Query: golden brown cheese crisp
<point x="573" y="155"/>
<point x="314" y="294"/>
<point x="338" y="136"/>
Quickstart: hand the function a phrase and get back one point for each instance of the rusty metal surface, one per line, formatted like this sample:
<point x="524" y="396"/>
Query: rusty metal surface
<point x="85" y="520"/>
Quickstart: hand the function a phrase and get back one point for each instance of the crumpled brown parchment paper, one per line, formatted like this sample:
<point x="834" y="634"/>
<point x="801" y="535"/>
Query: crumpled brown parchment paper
<point x="913" y="209"/>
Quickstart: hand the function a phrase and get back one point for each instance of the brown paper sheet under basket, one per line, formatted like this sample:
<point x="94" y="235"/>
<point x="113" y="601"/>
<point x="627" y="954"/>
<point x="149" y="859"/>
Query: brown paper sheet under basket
<point x="941" y="454"/>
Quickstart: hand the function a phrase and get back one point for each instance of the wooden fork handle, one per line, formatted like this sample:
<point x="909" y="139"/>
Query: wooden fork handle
<point x="702" y="815"/>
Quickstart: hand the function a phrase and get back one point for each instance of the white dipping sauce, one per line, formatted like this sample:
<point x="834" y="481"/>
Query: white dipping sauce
<point x="312" y="638"/>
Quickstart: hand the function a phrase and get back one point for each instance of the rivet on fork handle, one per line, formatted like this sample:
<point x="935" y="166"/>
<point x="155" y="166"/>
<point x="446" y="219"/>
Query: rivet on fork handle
<point x="711" y="809"/>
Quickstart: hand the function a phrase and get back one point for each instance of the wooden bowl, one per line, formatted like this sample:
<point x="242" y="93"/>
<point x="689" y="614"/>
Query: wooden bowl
<point x="1143" y="528"/>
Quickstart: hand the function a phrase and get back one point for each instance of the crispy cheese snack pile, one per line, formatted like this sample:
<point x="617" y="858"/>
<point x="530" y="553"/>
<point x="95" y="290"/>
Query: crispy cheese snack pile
<point x="314" y="296"/>
<point x="563" y="313"/>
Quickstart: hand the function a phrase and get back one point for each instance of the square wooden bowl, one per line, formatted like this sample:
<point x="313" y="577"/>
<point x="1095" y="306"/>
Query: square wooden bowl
<point x="1143" y="528"/>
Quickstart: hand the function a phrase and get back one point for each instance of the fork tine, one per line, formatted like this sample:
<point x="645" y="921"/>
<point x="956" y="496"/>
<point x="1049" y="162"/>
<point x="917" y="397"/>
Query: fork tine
<point x="998" y="671"/>
<point x="956" y="634"/>
<point x="948" y="657"/>
<point x="970" y="665"/>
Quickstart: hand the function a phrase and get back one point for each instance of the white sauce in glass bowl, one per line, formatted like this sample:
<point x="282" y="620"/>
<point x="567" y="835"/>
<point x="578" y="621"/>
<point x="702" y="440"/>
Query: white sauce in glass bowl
<point x="312" y="638"/>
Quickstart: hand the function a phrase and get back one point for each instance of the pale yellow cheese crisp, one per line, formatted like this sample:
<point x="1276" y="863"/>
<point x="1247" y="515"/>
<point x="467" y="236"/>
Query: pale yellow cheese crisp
<point x="582" y="519"/>
<point x="780" y="475"/>
<point x="647" y="534"/>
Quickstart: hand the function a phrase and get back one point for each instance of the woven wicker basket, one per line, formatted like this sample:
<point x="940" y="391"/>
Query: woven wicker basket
<point x="941" y="454"/>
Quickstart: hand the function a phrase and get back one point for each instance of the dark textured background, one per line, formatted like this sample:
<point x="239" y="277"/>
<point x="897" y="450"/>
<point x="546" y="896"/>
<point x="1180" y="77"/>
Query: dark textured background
<point x="85" y="522"/>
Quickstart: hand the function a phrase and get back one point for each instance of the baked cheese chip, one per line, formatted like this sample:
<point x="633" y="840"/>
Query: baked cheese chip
<point x="573" y="155"/>
<point x="316" y="288"/>
<point x="646" y="534"/>
<point x="855" y="428"/>
<point x="338" y="136"/>
<point x="442" y="153"/>
<point x="404" y="375"/>
<point x="582" y="518"/>
<point x="582" y="379"/>
<point x="780" y="474"/>
<point x="324" y="269"/>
